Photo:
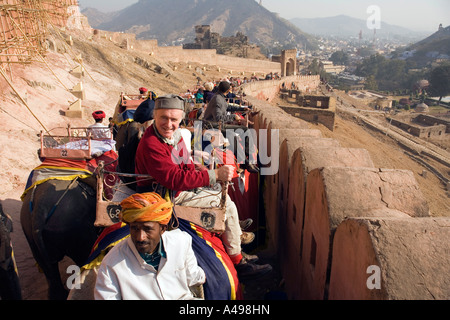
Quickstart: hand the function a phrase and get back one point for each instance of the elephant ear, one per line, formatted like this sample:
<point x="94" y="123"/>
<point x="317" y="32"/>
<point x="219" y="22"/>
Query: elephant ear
<point x="5" y="240"/>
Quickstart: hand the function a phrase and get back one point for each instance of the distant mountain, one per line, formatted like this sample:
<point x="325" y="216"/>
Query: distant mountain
<point x="97" y="17"/>
<point x="438" y="41"/>
<point x="433" y="48"/>
<point x="345" y="26"/>
<point x="173" y="21"/>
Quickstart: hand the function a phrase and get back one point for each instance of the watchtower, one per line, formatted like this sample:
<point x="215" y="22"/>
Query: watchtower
<point x="289" y="62"/>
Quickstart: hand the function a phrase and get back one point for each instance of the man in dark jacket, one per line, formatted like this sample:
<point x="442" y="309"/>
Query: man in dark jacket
<point x="217" y="107"/>
<point x="217" y="111"/>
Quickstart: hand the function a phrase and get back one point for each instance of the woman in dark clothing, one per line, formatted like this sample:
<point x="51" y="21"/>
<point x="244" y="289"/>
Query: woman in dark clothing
<point x="208" y="92"/>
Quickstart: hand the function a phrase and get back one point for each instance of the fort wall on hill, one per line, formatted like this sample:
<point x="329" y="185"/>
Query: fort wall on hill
<point x="270" y="89"/>
<point x="24" y="27"/>
<point x="202" y="56"/>
<point x="341" y="228"/>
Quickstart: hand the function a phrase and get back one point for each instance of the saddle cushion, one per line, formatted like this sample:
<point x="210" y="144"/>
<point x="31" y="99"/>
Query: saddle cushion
<point x="68" y="169"/>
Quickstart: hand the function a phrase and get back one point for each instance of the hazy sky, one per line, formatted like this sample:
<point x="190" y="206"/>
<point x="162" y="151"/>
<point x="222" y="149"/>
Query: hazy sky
<point x="419" y="15"/>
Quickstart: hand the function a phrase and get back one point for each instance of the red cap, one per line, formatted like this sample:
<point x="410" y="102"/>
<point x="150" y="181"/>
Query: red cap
<point x="143" y="90"/>
<point x="98" y="114"/>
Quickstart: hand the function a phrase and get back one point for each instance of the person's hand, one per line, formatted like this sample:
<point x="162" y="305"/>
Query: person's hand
<point x="237" y="118"/>
<point x="224" y="173"/>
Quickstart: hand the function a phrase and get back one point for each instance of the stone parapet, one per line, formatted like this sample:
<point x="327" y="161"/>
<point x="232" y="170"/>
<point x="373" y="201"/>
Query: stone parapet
<point x="391" y="258"/>
<point x="331" y="216"/>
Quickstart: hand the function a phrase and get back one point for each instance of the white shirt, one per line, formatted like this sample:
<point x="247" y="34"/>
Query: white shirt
<point x="124" y="275"/>
<point x="99" y="131"/>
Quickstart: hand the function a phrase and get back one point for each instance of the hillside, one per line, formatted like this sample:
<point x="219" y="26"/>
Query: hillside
<point x="97" y="17"/>
<point x="345" y="26"/>
<point x="172" y="22"/>
<point x="434" y="47"/>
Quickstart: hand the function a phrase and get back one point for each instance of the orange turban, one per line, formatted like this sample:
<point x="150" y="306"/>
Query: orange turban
<point x="144" y="207"/>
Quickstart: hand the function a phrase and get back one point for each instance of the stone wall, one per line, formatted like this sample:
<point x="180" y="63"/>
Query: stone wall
<point x="343" y="229"/>
<point x="270" y="89"/>
<point x="320" y="102"/>
<point x="410" y="252"/>
<point x="432" y="121"/>
<point x="201" y="56"/>
<point x="210" y="57"/>
<point x="314" y="109"/>
<point x="430" y="130"/>
<point x="313" y="115"/>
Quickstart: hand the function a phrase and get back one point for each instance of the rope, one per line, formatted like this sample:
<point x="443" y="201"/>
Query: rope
<point x="16" y="118"/>
<point x="52" y="211"/>
<point x="2" y="71"/>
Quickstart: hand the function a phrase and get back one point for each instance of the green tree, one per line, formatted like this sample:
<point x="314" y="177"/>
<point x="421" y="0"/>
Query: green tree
<point x="314" y="67"/>
<point x="365" y="52"/>
<point x="440" y="81"/>
<point x="371" y="83"/>
<point x="370" y="66"/>
<point x="386" y="74"/>
<point x="339" y="58"/>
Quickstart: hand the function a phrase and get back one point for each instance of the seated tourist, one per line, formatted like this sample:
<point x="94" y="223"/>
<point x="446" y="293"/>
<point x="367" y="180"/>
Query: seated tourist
<point x="199" y="96"/>
<point x="163" y="155"/>
<point x="216" y="112"/>
<point x="208" y="92"/>
<point x="98" y="130"/>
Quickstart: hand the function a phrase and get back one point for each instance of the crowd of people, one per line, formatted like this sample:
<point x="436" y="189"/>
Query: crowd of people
<point x="203" y="92"/>
<point x="143" y="267"/>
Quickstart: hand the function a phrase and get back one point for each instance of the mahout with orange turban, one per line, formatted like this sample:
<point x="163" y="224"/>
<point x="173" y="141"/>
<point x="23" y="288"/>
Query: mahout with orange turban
<point x="145" y="207"/>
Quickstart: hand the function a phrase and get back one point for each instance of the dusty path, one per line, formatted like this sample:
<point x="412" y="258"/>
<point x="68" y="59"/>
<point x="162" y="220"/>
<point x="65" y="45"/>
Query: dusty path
<point x="34" y="285"/>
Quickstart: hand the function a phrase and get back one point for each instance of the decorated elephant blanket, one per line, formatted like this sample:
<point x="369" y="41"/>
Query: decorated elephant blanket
<point x="222" y="282"/>
<point x="69" y="169"/>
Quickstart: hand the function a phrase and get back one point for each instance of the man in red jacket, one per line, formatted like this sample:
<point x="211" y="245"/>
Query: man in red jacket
<point x="162" y="154"/>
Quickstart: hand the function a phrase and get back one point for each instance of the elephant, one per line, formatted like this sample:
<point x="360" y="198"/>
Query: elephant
<point x="57" y="218"/>
<point x="9" y="280"/>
